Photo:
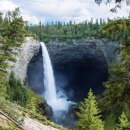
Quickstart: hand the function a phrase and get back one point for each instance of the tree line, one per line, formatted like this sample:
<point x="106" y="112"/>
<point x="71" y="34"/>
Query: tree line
<point x="63" y="31"/>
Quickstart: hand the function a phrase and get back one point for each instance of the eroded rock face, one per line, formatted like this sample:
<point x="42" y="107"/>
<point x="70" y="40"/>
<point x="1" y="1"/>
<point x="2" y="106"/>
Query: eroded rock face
<point x="63" y="51"/>
<point x="78" y="66"/>
<point x="47" y="110"/>
<point x="25" y="53"/>
<point x="71" y="116"/>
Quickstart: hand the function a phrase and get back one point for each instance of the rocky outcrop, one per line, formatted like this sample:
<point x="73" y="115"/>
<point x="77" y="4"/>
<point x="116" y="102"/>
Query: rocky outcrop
<point x="71" y="116"/>
<point x="24" y="54"/>
<point x="47" y="110"/>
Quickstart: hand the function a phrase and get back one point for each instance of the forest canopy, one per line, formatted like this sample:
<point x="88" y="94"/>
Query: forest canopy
<point x="64" y="31"/>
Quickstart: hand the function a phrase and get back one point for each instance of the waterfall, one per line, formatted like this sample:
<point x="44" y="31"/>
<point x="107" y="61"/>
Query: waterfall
<point x="49" y="82"/>
<point x="57" y="102"/>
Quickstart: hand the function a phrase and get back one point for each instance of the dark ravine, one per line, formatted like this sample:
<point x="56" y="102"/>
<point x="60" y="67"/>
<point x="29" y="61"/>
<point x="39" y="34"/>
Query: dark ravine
<point x="78" y="66"/>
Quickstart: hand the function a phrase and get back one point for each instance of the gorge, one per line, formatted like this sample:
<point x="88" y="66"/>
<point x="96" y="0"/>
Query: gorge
<point x="78" y="65"/>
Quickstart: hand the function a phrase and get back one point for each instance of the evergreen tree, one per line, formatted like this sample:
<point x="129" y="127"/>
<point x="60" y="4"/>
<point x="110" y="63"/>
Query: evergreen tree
<point x="123" y="122"/>
<point x="89" y="118"/>
<point x="12" y="33"/>
<point x="33" y="100"/>
<point x="3" y="85"/>
<point x="16" y="91"/>
<point x="65" y="31"/>
<point x="16" y="32"/>
<point x="116" y="95"/>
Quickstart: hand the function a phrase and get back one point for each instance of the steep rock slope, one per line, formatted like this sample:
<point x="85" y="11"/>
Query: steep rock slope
<point x="65" y="51"/>
<point x="24" y="54"/>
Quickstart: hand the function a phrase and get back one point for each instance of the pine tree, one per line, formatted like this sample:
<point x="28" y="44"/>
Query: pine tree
<point x="15" y="90"/>
<point x="16" y="32"/>
<point x="123" y="122"/>
<point x="118" y="86"/>
<point x="12" y="34"/>
<point x="89" y="118"/>
<point x="3" y="85"/>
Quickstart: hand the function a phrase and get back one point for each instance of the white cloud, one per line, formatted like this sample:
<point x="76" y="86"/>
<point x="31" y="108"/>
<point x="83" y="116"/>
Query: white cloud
<point x="64" y="10"/>
<point x="31" y="19"/>
<point x="6" y="5"/>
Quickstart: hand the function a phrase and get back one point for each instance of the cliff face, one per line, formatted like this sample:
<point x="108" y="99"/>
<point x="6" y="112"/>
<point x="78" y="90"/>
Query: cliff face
<point x="81" y="49"/>
<point x="78" y="66"/>
<point x="25" y="53"/>
<point x="63" y="52"/>
<point x="81" y="64"/>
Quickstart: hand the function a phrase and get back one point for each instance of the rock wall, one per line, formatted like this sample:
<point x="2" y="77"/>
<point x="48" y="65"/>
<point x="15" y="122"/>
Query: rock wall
<point x="28" y="49"/>
<point x="63" y="51"/>
<point x="77" y="64"/>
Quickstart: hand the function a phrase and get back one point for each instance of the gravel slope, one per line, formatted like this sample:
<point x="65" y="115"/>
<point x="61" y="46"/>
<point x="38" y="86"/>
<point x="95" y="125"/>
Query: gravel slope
<point x="31" y="124"/>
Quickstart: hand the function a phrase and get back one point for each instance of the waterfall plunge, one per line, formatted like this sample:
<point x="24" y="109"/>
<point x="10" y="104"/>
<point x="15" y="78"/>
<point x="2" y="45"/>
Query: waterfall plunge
<point x="57" y="102"/>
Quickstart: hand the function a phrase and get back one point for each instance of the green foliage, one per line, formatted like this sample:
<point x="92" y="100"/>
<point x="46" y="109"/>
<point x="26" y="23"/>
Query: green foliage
<point x="123" y="122"/>
<point x="3" y="86"/>
<point x="22" y="95"/>
<point x="11" y="109"/>
<point x="89" y="118"/>
<point x="1" y="128"/>
<point x="16" y="91"/>
<point x="12" y="33"/>
<point x="110" y="122"/>
<point x="64" y="31"/>
<point x="33" y="101"/>
<point x="116" y="95"/>
<point x="117" y="30"/>
<point x="16" y="32"/>
<point x="18" y="113"/>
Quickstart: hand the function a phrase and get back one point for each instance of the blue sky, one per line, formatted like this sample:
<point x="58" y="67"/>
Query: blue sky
<point x="63" y="10"/>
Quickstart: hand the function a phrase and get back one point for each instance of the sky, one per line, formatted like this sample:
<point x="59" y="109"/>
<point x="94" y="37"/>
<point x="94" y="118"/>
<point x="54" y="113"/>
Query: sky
<point x="34" y="11"/>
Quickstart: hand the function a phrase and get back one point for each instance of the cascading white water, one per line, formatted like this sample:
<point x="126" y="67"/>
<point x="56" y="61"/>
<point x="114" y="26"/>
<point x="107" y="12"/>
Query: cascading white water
<point x="57" y="102"/>
<point x="49" y="82"/>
